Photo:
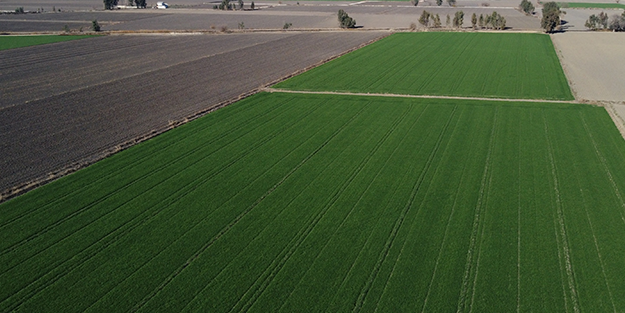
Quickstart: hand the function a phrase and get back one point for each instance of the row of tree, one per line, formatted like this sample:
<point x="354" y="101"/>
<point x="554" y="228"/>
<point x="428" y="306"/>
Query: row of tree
<point x="602" y="22"/>
<point x="490" y="21"/>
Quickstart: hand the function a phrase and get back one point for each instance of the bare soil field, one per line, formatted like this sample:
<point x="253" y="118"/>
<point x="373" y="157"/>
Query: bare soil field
<point x="83" y="99"/>
<point x="593" y="63"/>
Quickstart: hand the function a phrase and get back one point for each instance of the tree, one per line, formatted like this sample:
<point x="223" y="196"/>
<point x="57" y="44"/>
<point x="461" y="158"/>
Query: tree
<point x="526" y="6"/>
<point x="458" y="19"/>
<point x="345" y="21"/>
<point x="414" y="2"/>
<point x="252" y="5"/>
<point x="95" y="26"/>
<point x="497" y="21"/>
<point x="439" y="2"/>
<point x="452" y="3"/>
<point x="617" y="23"/>
<point x="241" y="4"/>
<point x="110" y="4"/>
<point x="474" y="20"/>
<point x="603" y="20"/>
<point x="287" y="26"/>
<point x="225" y="5"/>
<point x="437" y="21"/>
<point x="592" y="22"/>
<point x="481" y="21"/>
<point x="425" y="18"/>
<point x="551" y="17"/>
<point x="141" y="4"/>
<point x="447" y="22"/>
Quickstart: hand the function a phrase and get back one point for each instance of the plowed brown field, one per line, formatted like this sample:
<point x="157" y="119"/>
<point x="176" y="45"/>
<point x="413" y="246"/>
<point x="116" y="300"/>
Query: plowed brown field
<point x="72" y="103"/>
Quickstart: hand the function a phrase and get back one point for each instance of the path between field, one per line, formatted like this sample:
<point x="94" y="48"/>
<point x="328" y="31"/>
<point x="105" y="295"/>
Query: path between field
<point x="412" y="96"/>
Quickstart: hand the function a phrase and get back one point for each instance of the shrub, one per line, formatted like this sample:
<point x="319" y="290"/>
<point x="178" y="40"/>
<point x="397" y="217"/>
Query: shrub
<point x="95" y="26"/>
<point x="19" y="10"/>
<point x="287" y="26"/>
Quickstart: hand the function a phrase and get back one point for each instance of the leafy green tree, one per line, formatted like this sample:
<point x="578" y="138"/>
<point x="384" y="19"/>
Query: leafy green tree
<point x="141" y="4"/>
<point x="345" y="21"/>
<point x="452" y="3"/>
<point x="592" y="22"/>
<point x="437" y="21"/>
<point x="617" y="23"/>
<point x="551" y="17"/>
<point x="241" y="4"/>
<point x="481" y="21"/>
<point x="447" y="22"/>
<point x="458" y="19"/>
<point x="225" y="5"/>
<point x="414" y="2"/>
<point x="439" y="2"/>
<point x="474" y="21"/>
<point x="252" y="5"/>
<point x="603" y="20"/>
<point x="526" y="6"/>
<point x="425" y="18"/>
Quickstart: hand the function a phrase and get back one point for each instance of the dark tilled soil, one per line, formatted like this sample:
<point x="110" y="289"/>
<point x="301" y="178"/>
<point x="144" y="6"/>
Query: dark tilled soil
<point x="71" y="103"/>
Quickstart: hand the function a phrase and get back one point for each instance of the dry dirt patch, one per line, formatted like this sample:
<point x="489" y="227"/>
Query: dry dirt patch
<point x="593" y="63"/>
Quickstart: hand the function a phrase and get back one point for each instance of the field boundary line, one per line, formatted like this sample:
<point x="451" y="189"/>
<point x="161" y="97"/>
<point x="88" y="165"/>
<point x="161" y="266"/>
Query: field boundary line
<point x="45" y="178"/>
<point x="560" y="214"/>
<point x="392" y="193"/>
<point x="134" y="222"/>
<point x="224" y="230"/>
<point x="411" y="226"/>
<point x="360" y="168"/>
<point x="476" y="220"/>
<point x="440" y="250"/>
<point x="395" y="95"/>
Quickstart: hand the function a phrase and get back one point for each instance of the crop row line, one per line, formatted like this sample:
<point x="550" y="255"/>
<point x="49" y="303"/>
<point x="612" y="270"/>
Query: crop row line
<point x="564" y="241"/>
<point x="224" y="230"/>
<point x="119" y="190"/>
<point x="396" y="123"/>
<point x="394" y="191"/>
<point x="400" y="220"/>
<point x="477" y="220"/>
<point x="201" y="220"/>
<point x="134" y="164"/>
<point x="411" y="225"/>
<point x="394" y="95"/>
<point x="156" y="210"/>
<point x="282" y="252"/>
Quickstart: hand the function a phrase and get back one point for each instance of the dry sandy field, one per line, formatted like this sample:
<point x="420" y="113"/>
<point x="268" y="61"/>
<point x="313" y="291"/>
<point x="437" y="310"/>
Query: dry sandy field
<point x="594" y="64"/>
<point x="71" y="103"/>
<point x="199" y="15"/>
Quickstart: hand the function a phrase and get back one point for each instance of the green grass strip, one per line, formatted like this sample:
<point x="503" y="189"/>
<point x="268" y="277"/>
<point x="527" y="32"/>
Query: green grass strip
<point x="513" y="66"/>
<point x="12" y="42"/>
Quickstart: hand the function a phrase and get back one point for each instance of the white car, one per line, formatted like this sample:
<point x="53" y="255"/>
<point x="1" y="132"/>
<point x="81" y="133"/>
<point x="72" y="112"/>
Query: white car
<point x="162" y="5"/>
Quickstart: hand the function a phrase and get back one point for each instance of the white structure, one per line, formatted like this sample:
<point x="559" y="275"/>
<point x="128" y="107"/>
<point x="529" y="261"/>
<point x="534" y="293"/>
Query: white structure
<point x="162" y="5"/>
